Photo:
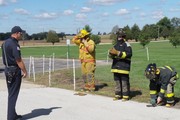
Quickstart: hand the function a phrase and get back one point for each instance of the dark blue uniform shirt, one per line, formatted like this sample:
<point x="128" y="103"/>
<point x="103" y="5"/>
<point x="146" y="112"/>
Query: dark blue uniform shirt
<point x="12" y="50"/>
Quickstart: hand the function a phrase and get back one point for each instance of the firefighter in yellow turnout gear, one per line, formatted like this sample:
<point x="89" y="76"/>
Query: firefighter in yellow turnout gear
<point x="87" y="58"/>
<point x="162" y="80"/>
<point x="121" y="54"/>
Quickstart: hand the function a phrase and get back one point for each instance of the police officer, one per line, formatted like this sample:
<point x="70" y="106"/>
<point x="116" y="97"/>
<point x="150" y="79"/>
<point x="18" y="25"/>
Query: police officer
<point x="162" y="79"/>
<point x="121" y="54"/>
<point x="14" y="64"/>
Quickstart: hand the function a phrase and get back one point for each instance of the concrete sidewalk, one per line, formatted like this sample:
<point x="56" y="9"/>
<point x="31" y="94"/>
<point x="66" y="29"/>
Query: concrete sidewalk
<point x="41" y="103"/>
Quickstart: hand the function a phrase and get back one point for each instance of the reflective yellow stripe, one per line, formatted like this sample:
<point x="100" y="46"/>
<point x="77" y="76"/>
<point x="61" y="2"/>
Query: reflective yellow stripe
<point x="153" y="92"/>
<point x="162" y="91"/>
<point x="126" y="97"/>
<point x="170" y="95"/>
<point x="177" y="76"/>
<point x="169" y="68"/>
<point x="123" y="55"/>
<point x="119" y="71"/>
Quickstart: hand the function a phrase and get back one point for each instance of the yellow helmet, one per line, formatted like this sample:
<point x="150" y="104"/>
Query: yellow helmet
<point x="83" y="33"/>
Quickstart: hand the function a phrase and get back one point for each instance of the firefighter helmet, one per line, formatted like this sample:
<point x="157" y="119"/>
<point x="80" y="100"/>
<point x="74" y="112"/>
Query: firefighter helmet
<point x="83" y="33"/>
<point x="150" y="71"/>
<point x="121" y="33"/>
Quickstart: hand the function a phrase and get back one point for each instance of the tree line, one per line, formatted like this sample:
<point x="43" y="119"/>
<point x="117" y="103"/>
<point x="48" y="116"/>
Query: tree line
<point x="164" y="29"/>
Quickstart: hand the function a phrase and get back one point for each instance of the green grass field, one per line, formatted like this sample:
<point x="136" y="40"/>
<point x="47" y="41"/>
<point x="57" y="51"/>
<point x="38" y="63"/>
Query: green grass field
<point x="162" y="53"/>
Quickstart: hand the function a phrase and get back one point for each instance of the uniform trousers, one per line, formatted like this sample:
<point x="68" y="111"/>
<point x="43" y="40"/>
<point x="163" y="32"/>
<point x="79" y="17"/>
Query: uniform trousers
<point x="13" y="92"/>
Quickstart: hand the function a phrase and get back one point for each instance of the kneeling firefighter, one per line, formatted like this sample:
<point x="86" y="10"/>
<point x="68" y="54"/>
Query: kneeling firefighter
<point x="121" y="54"/>
<point x="162" y="80"/>
<point x="87" y="58"/>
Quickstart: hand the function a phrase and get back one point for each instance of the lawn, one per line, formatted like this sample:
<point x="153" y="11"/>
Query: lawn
<point x="161" y="53"/>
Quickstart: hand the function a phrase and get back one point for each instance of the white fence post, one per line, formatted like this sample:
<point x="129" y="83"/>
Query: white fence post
<point x="147" y="53"/>
<point x="67" y="60"/>
<point x="107" y="57"/>
<point x="53" y="62"/>
<point x="74" y="74"/>
<point x="30" y="63"/>
<point x="33" y="69"/>
<point x="43" y="63"/>
<point x="50" y="71"/>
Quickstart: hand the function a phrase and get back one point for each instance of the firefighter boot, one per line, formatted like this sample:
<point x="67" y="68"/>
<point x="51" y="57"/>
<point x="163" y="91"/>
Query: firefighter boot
<point x="92" y="87"/>
<point x="125" y="98"/>
<point x="85" y="88"/>
<point x="169" y="105"/>
<point x="117" y="97"/>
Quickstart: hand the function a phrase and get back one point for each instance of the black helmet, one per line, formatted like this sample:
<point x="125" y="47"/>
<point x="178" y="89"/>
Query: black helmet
<point x="121" y="33"/>
<point x="150" y="71"/>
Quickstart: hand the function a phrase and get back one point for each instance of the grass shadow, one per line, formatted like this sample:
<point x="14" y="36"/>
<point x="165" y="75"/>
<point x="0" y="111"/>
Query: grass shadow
<point x="135" y="93"/>
<point x="100" y="86"/>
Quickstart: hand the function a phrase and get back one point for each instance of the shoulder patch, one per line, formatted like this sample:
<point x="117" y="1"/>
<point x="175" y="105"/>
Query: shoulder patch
<point x="127" y="44"/>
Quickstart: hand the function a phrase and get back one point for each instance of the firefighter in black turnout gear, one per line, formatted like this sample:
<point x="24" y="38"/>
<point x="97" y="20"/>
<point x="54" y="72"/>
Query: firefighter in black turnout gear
<point x="121" y="54"/>
<point x="162" y="80"/>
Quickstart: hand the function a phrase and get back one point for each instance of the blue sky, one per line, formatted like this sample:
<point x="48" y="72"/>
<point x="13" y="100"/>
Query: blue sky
<point x="70" y="15"/>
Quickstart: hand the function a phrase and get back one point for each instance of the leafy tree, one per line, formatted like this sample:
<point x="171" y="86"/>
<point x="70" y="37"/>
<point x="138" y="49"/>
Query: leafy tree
<point x="62" y="35"/>
<point x="144" y="39"/>
<point x="165" y="22"/>
<point x="96" y="38"/>
<point x="114" y="29"/>
<point x="175" y="40"/>
<point x="165" y="32"/>
<point x="88" y="28"/>
<point x="128" y="32"/>
<point x="175" y="22"/>
<point x="175" y="37"/>
<point x="135" y="32"/>
<point x="52" y="37"/>
<point x="144" y="36"/>
<point x="153" y="31"/>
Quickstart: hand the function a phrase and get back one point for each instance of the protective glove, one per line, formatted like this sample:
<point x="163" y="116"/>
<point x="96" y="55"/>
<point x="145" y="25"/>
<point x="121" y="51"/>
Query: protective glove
<point x="159" y="100"/>
<point x="113" y="51"/>
<point x="153" y="102"/>
<point x="110" y="55"/>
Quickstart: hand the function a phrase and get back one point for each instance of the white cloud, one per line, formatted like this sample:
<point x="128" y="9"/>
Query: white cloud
<point x="81" y="17"/>
<point x="157" y="15"/>
<point x="46" y="16"/>
<point x="136" y="8"/>
<point x="21" y="11"/>
<point x="68" y="12"/>
<point x="85" y="9"/>
<point x="105" y="14"/>
<point x="105" y="2"/>
<point x="143" y="14"/>
<point x="3" y="2"/>
<point x="4" y="16"/>
<point x="122" y="12"/>
<point x="174" y="10"/>
<point x="13" y="1"/>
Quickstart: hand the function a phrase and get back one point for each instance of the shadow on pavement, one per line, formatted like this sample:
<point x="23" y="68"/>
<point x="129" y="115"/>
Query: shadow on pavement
<point x="135" y="93"/>
<point x="38" y="112"/>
